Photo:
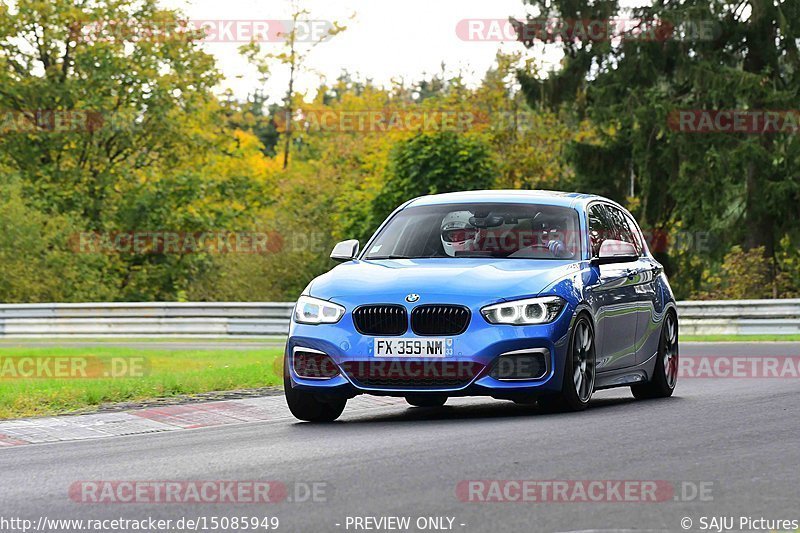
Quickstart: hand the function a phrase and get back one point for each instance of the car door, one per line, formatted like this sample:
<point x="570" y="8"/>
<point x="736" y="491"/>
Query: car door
<point x="646" y="271"/>
<point x="614" y="295"/>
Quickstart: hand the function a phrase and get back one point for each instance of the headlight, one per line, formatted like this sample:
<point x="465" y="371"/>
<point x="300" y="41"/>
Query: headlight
<point x="540" y="310"/>
<point x="310" y="310"/>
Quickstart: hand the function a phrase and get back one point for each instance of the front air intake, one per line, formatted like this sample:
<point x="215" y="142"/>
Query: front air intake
<point x="381" y="319"/>
<point x="521" y="365"/>
<point x="439" y="319"/>
<point x="311" y="364"/>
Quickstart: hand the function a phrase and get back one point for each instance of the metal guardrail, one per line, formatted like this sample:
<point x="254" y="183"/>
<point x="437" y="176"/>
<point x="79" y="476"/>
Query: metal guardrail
<point x="219" y="319"/>
<point x="740" y="317"/>
<point x="158" y="319"/>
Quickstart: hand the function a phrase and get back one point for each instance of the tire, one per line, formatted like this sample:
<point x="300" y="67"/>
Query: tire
<point x="426" y="400"/>
<point x="577" y="383"/>
<point x="308" y="407"/>
<point x="665" y="373"/>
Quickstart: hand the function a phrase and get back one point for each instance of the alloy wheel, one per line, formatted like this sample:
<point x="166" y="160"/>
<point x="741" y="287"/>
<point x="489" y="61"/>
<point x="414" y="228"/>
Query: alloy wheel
<point x="583" y="361"/>
<point x="671" y="351"/>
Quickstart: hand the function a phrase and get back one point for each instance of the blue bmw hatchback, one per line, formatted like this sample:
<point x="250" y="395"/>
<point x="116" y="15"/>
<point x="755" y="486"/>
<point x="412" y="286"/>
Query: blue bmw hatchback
<point x="529" y="296"/>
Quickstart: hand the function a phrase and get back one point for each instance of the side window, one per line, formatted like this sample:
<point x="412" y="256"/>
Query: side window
<point x="637" y="236"/>
<point x="599" y="227"/>
<point x="622" y="228"/>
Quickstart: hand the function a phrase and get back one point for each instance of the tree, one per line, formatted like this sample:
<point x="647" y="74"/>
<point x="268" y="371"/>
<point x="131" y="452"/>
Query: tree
<point x="255" y="116"/>
<point x="699" y="54"/>
<point x="294" y="55"/>
<point x="110" y="125"/>
<point x="526" y="147"/>
<point x="37" y="262"/>
<point x="529" y="145"/>
<point x="432" y="163"/>
<point x="133" y="101"/>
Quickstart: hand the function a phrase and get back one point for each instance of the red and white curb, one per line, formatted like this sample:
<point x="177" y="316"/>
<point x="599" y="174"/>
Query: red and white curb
<point x="157" y="419"/>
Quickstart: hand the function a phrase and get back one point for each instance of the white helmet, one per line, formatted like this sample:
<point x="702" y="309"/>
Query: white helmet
<point x="457" y="233"/>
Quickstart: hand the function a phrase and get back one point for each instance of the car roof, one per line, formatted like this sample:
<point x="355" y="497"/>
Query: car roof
<point x="564" y="199"/>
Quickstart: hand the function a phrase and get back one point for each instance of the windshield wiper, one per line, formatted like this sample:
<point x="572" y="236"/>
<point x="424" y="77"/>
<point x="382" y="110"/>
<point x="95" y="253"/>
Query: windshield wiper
<point x="389" y="257"/>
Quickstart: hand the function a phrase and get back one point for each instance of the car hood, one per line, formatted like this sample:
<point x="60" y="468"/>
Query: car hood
<point x="447" y="280"/>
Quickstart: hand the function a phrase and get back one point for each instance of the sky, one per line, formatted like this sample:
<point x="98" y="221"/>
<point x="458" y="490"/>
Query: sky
<point x="384" y="40"/>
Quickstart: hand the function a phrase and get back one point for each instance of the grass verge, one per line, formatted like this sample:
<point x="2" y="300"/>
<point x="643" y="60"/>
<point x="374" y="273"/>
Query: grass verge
<point x="145" y="373"/>
<point x="93" y="376"/>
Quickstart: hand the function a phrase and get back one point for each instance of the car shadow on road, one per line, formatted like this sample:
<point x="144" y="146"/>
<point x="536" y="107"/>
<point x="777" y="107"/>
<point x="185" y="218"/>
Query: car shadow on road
<point x="489" y="410"/>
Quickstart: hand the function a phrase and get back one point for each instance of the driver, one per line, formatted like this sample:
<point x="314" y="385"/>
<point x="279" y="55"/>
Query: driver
<point x="458" y="234"/>
<point x="555" y="243"/>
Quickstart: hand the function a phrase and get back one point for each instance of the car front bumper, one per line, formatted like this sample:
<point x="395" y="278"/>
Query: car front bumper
<point x="474" y="353"/>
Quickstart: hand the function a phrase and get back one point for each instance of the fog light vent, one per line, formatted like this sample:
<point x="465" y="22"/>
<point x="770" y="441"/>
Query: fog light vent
<point x="521" y="365"/>
<point x="314" y="365"/>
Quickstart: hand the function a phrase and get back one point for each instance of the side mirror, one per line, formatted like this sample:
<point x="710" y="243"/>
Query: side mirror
<point x="612" y="251"/>
<point x="345" y="250"/>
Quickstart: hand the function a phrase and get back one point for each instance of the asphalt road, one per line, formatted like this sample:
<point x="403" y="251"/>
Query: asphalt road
<point x="734" y="439"/>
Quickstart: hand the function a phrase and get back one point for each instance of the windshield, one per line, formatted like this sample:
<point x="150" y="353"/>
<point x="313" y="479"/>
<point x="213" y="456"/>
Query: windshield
<point x="514" y="231"/>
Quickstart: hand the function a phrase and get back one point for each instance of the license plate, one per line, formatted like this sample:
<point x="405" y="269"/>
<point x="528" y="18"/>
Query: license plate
<point x="433" y="347"/>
